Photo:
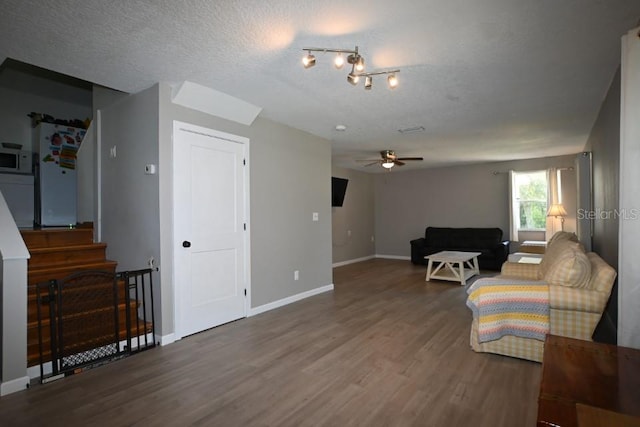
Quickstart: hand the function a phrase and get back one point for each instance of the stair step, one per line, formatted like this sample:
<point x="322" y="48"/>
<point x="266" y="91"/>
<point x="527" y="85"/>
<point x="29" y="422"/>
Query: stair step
<point x="57" y="237"/>
<point x="122" y="308"/>
<point x="66" y="255"/>
<point x="32" y="295"/>
<point x="44" y="274"/>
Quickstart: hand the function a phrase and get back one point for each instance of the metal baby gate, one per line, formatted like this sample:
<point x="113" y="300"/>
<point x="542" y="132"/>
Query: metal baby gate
<point x="93" y="317"/>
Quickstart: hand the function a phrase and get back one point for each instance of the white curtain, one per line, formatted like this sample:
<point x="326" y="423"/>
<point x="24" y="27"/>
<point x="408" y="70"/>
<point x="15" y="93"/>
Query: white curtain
<point x="553" y="223"/>
<point x="513" y="209"/>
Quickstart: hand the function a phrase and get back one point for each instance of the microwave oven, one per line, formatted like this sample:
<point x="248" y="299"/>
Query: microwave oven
<point x="15" y="161"/>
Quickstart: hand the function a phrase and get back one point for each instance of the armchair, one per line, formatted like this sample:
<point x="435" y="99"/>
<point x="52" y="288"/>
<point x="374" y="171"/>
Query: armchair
<point x="579" y="285"/>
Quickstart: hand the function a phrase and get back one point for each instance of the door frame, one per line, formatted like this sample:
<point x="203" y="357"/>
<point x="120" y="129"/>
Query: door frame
<point x="179" y="126"/>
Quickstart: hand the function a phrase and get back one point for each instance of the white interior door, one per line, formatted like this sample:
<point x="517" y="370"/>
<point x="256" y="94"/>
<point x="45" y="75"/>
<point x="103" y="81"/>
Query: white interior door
<point x="210" y="215"/>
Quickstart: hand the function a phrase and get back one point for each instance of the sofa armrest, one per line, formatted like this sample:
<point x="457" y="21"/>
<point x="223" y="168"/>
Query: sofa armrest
<point x="575" y="299"/>
<point x="502" y="251"/>
<point x="417" y="242"/>
<point x="417" y="251"/>
<point x="522" y="271"/>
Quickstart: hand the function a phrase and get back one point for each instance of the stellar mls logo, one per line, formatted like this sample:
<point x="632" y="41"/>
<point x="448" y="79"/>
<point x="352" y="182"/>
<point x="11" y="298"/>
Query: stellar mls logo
<point x="598" y="213"/>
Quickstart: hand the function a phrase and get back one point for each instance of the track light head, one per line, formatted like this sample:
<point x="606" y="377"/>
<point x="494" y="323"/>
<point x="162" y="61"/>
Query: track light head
<point x="353" y="78"/>
<point x="368" y="82"/>
<point x="359" y="63"/>
<point x="309" y="60"/>
<point x="338" y="62"/>
<point x="392" y="80"/>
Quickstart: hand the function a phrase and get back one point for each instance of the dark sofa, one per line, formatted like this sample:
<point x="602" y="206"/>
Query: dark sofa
<point x="488" y="241"/>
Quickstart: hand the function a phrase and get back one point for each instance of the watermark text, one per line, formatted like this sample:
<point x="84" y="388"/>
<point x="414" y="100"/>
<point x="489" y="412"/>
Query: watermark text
<point x="598" y="213"/>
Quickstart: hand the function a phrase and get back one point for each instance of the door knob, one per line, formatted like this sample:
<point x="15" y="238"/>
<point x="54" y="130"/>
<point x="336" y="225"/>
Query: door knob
<point x="186" y="244"/>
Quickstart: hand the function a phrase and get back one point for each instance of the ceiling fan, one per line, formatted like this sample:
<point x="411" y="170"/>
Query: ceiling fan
<point x="389" y="159"/>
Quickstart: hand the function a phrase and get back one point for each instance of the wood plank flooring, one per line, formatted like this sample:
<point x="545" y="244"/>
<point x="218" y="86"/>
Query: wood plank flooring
<point x="385" y="348"/>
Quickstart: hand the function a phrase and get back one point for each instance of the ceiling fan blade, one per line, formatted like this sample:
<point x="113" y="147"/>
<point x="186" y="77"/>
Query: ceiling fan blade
<point x="373" y="163"/>
<point x="367" y="160"/>
<point x="398" y="162"/>
<point x="410" y="158"/>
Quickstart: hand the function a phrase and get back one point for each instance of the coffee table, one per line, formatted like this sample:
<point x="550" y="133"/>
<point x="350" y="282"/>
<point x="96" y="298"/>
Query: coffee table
<point x="453" y="265"/>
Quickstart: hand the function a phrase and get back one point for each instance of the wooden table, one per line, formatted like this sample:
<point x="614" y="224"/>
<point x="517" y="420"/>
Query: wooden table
<point x="452" y="266"/>
<point x="582" y="379"/>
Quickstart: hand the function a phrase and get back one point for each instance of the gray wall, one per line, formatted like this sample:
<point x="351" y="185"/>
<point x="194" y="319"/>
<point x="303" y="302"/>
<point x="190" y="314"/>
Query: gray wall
<point x="356" y="215"/>
<point x="130" y="202"/>
<point x="15" y="126"/>
<point x="604" y="143"/>
<point x="461" y="196"/>
<point x="290" y="179"/>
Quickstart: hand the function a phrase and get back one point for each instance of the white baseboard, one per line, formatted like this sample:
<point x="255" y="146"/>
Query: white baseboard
<point x="34" y="371"/>
<point x="285" y="301"/>
<point x="166" y="339"/>
<point x="14" y="386"/>
<point x="353" y="261"/>
<point x="407" y="258"/>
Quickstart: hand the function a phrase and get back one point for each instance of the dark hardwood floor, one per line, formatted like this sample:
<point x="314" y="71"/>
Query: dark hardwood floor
<point x="384" y="349"/>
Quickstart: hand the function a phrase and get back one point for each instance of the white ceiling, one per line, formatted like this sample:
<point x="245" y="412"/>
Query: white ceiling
<point x="489" y="80"/>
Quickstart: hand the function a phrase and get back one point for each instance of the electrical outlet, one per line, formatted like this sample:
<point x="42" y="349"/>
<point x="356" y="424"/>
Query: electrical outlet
<point x="372" y="239"/>
<point x="296" y="275"/>
<point x="150" y="262"/>
<point x="113" y="152"/>
<point x="315" y="216"/>
<point x="348" y="233"/>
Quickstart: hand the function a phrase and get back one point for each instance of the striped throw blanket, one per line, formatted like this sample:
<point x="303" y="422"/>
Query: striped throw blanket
<point x="509" y="307"/>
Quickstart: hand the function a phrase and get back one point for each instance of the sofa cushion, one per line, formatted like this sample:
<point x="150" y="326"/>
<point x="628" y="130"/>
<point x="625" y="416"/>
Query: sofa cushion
<point x="463" y="238"/>
<point x="437" y="237"/>
<point x="556" y="246"/>
<point x="562" y="235"/>
<point x="570" y="266"/>
<point x="487" y="237"/>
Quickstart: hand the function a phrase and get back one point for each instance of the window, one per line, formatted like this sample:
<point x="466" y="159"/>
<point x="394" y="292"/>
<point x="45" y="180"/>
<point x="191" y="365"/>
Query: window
<point x="529" y="200"/>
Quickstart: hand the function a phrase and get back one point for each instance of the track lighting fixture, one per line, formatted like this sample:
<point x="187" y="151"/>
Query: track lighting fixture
<point x="357" y="66"/>
<point x="392" y="80"/>
<point x="309" y="60"/>
<point x="368" y="82"/>
<point x="353" y="78"/>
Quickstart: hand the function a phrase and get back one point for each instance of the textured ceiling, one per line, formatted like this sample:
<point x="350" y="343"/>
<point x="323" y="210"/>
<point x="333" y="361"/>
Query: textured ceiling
<point x="488" y="79"/>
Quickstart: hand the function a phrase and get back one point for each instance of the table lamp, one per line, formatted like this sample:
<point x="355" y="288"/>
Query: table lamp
<point x="557" y="210"/>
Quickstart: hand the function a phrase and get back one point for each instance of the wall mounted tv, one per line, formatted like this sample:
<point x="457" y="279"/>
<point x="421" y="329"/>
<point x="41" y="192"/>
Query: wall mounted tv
<point x="338" y="190"/>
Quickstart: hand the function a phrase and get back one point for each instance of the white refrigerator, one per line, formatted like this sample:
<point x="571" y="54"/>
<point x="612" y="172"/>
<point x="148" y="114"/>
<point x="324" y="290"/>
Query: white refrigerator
<point x="56" y="147"/>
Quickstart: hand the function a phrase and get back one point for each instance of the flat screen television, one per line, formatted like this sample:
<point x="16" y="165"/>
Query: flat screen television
<point x="338" y="190"/>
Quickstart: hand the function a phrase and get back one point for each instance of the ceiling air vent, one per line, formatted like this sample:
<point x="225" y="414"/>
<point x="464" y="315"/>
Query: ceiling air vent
<point x="414" y="129"/>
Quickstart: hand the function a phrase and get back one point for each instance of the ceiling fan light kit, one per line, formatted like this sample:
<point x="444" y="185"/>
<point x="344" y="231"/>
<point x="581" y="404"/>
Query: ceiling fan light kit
<point x="357" y="66"/>
<point x="389" y="159"/>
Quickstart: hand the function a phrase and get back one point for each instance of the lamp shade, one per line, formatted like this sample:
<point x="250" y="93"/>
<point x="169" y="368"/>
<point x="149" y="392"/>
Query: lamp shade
<point x="556" y="210"/>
